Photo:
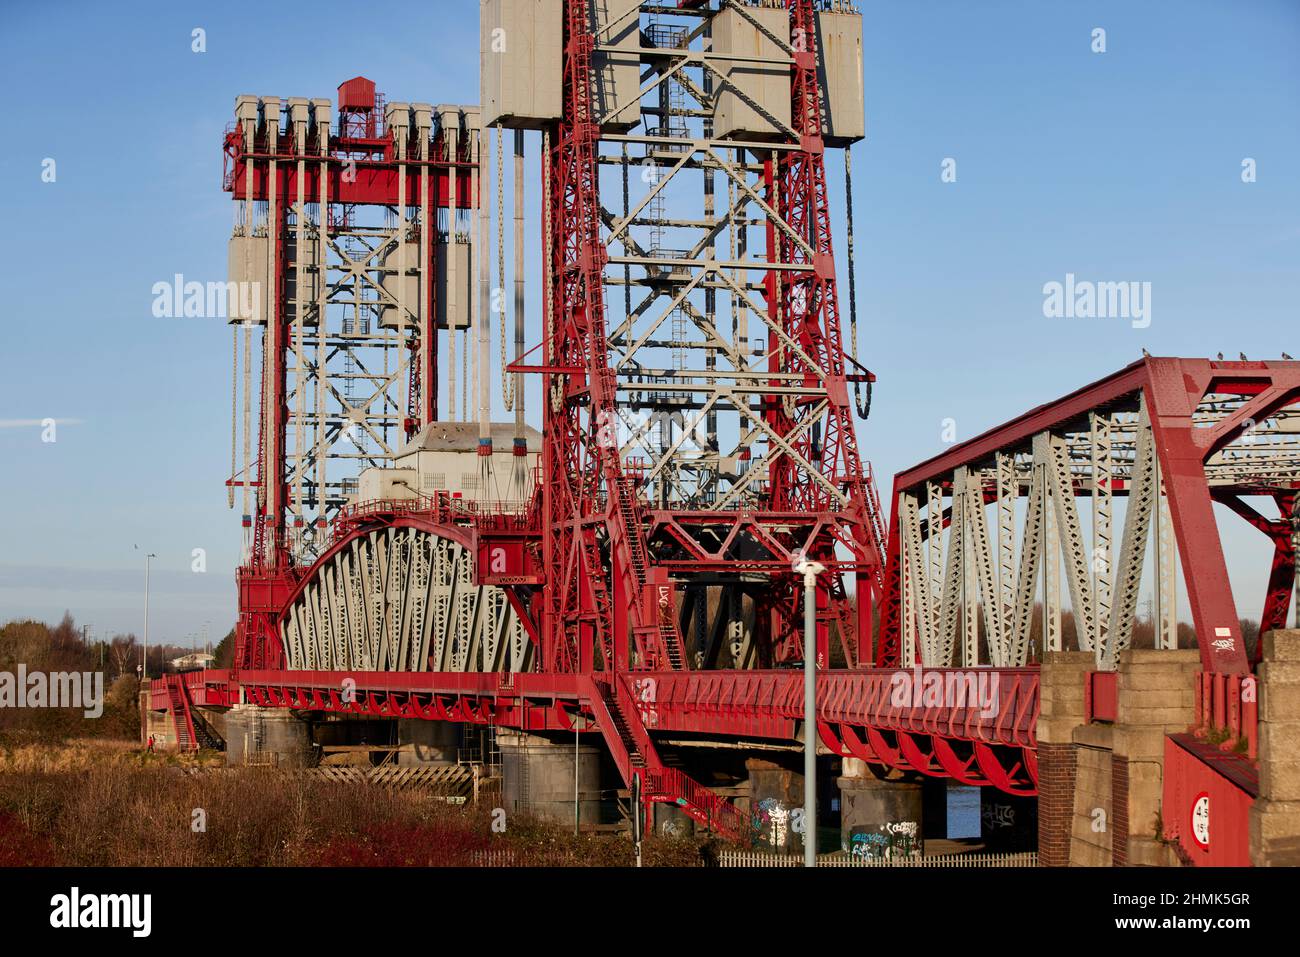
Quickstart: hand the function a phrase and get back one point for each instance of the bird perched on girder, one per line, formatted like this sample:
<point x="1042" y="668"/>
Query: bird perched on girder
<point x="1285" y="356"/>
<point x="1220" y="356"/>
<point x="1242" y="357"/>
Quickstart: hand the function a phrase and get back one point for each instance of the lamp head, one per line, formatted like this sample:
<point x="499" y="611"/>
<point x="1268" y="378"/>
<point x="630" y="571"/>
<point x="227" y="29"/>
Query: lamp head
<point x="808" y="568"/>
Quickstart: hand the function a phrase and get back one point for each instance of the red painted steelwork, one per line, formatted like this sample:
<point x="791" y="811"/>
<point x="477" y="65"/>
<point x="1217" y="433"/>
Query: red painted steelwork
<point x="1100" y="695"/>
<point x="1173" y="388"/>
<point x="1206" y="803"/>
<point x="1228" y="703"/>
<point x="860" y="714"/>
<point x="361" y="165"/>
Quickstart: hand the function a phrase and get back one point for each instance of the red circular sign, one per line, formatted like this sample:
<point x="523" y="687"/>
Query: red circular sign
<point x="1200" y="818"/>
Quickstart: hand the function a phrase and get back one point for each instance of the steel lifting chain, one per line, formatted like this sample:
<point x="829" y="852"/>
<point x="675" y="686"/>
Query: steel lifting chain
<point x="863" y="404"/>
<point x="557" y="389"/>
<point x="507" y="380"/>
<point x="234" y="410"/>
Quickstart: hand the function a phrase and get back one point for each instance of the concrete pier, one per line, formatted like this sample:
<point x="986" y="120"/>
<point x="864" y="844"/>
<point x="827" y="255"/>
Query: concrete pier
<point x="775" y="794"/>
<point x="1008" y="823"/>
<point x="256" y="735"/>
<point x="879" y="817"/>
<point x="426" y="742"/>
<point x="538" y="777"/>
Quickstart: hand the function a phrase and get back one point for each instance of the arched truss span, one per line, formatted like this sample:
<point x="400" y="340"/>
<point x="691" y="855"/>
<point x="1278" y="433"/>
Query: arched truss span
<point x="402" y="597"/>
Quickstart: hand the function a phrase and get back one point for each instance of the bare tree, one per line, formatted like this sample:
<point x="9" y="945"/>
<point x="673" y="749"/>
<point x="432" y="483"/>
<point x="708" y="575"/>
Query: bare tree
<point x="123" y="650"/>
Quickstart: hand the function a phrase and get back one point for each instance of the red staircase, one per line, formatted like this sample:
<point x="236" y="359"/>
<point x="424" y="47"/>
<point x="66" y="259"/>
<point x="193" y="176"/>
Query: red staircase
<point x="182" y="718"/>
<point x="635" y="754"/>
<point x="672" y="786"/>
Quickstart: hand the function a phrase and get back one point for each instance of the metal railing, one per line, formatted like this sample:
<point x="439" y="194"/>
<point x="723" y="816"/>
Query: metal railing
<point x="732" y="858"/>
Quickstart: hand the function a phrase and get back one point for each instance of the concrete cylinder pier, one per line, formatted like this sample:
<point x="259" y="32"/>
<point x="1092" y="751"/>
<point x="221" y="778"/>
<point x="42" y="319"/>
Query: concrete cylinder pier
<point x="158" y="725"/>
<point x="256" y="735"/>
<point x="671" y="821"/>
<point x="427" y="742"/>
<point x="775" y="794"/>
<point x="537" y="777"/>
<point x="879" y="818"/>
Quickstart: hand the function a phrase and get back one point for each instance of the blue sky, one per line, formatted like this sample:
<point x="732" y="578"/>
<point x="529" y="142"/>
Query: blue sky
<point x="1123" y="165"/>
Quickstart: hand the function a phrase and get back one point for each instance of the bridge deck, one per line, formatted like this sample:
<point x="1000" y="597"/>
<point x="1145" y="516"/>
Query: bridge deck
<point x="977" y="726"/>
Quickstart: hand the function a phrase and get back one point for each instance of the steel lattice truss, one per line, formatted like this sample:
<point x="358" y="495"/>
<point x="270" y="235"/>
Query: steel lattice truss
<point x="699" y="429"/>
<point x="349" y="377"/>
<point x="344" y="222"/>
<point x="982" y="533"/>
<point x="402" y="598"/>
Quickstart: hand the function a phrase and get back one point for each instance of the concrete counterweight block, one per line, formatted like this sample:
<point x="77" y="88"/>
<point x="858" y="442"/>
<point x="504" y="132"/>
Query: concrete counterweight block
<point x="879" y="818"/>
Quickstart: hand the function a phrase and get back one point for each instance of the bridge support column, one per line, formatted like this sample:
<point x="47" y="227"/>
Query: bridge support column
<point x="879" y="818"/>
<point x="257" y="735"/>
<point x="1275" y="815"/>
<point x="1100" y="785"/>
<point x="1156" y="696"/>
<point x="775" y="793"/>
<point x="671" y="821"/>
<point x="1008" y="824"/>
<point x="427" y="742"/>
<point x="1061" y="682"/>
<point x="538" y="777"/>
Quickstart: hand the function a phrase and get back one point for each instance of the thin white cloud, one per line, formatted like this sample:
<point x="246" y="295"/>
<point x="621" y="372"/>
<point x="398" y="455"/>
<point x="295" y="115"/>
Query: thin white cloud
<point x="34" y="423"/>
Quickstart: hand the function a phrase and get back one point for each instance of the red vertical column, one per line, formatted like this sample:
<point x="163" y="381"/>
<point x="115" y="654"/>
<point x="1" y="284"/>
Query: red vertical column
<point x="1182" y="463"/>
<point x="275" y="415"/>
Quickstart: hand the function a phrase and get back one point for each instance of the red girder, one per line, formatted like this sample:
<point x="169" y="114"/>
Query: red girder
<point x="856" y="716"/>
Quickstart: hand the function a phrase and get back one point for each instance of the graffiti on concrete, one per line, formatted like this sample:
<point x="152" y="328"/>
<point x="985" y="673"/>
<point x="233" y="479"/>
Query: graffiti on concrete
<point x="998" y="816"/>
<point x="891" y="840"/>
<point x="774" y="821"/>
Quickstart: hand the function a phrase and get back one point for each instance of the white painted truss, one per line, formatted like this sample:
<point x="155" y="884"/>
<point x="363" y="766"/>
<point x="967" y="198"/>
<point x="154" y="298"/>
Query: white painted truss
<point x="403" y="599"/>
<point x="970" y="600"/>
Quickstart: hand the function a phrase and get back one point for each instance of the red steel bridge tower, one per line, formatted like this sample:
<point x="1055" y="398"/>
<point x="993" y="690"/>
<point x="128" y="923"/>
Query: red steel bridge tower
<point x="699" y="437"/>
<point x="699" y="433"/>
<point x="633" y="570"/>
<point x="341" y="232"/>
<point x="698" y="403"/>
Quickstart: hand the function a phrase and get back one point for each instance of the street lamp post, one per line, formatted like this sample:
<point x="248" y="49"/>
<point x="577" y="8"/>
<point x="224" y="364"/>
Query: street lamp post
<point x="810" y="571"/>
<point x="579" y="724"/>
<point x="144" y="651"/>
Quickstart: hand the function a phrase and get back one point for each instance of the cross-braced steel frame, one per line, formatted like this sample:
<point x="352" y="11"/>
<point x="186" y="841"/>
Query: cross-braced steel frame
<point x="699" y="434"/>
<point x="349" y="346"/>
<point x="1169" y="436"/>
